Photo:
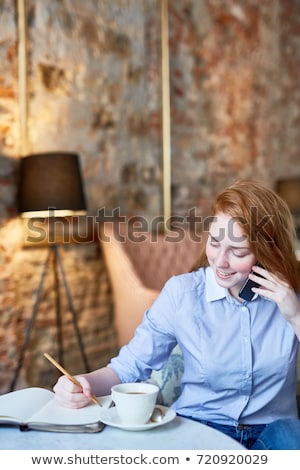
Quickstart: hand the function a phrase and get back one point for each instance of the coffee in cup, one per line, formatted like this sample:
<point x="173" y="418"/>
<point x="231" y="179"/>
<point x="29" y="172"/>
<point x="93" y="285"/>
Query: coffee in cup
<point x="135" y="402"/>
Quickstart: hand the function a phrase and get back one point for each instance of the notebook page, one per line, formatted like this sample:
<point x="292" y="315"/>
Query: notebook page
<point x="21" y="404"/>
<point x="53" y="413"/>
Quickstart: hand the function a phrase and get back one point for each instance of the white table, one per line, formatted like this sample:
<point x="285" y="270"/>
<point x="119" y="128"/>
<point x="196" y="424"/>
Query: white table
<point x="180" y="434"/>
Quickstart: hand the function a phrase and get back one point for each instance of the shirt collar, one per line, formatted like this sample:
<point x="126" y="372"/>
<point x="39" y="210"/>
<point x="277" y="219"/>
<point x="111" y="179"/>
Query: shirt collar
<point x="216" y="292"/>
<point x="213" y="290"/>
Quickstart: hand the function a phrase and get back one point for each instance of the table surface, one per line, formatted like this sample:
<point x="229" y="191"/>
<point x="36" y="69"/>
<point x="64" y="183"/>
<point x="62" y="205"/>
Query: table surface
<point x="179" y="434"/>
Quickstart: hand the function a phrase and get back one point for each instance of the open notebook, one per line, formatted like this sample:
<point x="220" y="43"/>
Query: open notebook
<point x="36" y="408"/>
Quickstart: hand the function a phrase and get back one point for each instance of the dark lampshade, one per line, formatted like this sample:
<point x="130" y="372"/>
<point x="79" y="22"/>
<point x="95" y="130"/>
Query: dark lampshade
<point x="50" y="182"/>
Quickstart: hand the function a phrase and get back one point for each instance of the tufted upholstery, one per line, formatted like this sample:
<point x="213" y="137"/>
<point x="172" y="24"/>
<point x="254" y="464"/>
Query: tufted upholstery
<point x="139" y="264"/>
<point x="156" y="258"/>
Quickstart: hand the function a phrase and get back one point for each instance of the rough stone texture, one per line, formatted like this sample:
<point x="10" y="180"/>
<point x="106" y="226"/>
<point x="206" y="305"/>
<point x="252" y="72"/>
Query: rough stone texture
<point x="94" y="87"/>
<point x="232" y="114"/>
<point x="91" y="90"/>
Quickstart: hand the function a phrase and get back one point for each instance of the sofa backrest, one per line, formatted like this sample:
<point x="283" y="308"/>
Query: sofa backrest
<point x="157" y="257"/>
<point x="139" y="264"/>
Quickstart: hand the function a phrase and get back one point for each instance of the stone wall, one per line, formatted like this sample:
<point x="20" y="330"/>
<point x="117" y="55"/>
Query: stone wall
<point x="94" y="87"/>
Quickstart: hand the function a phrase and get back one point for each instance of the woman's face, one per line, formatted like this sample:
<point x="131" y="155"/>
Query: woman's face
<point x="228" y="253"/>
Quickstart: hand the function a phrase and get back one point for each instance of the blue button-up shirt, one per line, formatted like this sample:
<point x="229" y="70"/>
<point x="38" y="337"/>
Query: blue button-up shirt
<point x="239" y="358"/>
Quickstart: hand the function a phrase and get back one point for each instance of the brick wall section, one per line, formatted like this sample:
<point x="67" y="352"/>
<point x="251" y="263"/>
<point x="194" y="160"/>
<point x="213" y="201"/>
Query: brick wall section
<point x="234" y="95"/>
<point x="94" y="87"/>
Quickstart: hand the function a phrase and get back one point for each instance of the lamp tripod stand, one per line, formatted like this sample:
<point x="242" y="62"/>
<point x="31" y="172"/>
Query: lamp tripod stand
<point x="57" y="265"/>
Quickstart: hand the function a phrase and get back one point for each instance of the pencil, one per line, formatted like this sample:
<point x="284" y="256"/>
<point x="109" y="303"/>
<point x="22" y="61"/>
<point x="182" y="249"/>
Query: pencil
<point x="69" y="376"/>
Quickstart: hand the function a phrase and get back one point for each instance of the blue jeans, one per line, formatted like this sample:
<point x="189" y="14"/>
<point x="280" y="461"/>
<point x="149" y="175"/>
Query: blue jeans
<point x="283" y="434"/>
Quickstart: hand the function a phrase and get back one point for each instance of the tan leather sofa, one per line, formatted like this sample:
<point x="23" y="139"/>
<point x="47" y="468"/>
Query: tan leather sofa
<point x="139" y="264"/>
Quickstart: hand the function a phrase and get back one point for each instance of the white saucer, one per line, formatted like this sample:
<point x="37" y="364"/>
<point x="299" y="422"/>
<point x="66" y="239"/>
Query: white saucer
<point x="111" y="418"/>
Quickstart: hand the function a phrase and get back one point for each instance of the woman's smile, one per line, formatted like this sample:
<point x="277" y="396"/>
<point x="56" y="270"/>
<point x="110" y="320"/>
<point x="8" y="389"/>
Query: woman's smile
<point x="228" y="253"/>
<point x="223" y="274"/>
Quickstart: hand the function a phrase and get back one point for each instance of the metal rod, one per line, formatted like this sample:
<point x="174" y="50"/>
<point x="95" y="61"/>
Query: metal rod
<point x="166" y="126"/>
<point x="57" y="306"/>
<point x="72" y="310"/>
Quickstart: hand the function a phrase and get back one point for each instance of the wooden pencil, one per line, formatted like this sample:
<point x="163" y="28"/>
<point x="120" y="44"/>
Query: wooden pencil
<point x="69" y="376"/>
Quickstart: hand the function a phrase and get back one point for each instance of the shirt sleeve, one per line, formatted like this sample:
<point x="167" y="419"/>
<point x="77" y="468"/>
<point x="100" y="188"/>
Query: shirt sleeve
<point x="153" y="340"/>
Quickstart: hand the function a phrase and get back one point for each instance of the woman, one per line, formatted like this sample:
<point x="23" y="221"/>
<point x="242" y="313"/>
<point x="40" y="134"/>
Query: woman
<point x="239" y="356"/>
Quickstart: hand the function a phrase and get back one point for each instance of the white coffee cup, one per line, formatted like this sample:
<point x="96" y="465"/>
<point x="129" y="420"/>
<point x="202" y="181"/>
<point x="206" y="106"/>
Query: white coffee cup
<point x="134" y="402"/>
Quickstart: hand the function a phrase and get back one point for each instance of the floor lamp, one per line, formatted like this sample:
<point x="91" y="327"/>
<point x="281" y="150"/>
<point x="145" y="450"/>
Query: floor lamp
<point x="50" y="185"/>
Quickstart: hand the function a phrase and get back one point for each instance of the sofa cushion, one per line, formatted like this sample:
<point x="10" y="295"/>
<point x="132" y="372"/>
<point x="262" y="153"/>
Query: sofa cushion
<point x="169" y="377"/>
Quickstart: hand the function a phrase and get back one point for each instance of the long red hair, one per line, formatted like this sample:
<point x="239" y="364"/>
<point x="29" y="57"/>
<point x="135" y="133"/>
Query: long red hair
<point x="268" y="224"/>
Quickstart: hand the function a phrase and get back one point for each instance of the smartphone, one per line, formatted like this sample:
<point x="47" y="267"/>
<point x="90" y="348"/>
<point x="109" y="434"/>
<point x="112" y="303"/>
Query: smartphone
<point x="245" y="291"/>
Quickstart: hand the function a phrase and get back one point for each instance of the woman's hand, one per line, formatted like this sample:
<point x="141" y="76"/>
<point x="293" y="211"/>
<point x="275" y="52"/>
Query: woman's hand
<point x="73" y="396"/>
<point x="70" y="395"/>
<point x="274" y="288"/>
